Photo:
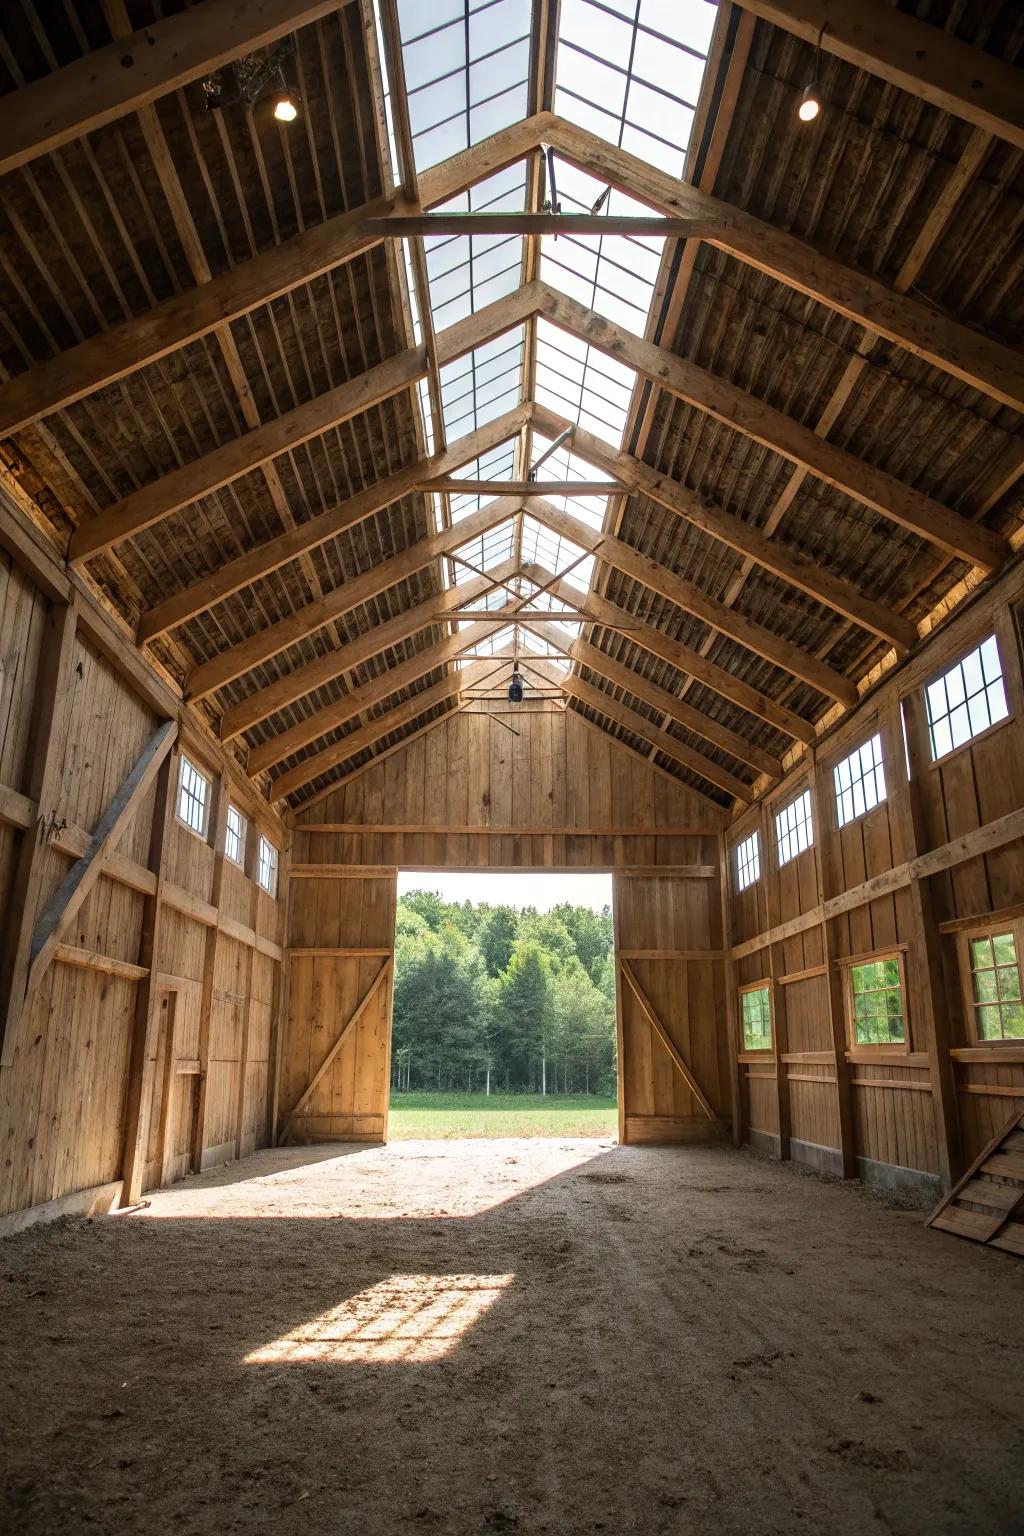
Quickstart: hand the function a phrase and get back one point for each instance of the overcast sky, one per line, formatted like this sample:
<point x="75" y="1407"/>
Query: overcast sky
<point x="533" y="888"/>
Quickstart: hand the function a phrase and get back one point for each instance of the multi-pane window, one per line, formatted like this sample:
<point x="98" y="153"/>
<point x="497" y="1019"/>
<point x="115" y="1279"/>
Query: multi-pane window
<point x="756" y="1011"/>
<point x="994" y="985"/>
<point x="748" y="862"/>
<point x="859" y="781"/>
<point x="193" y="797"/>
<point x="234" y="837"/>
<point x="878" y="1011"/>
<point x="793" y="828"/>
<point x="966" y="700"/>
<point x="266" y="868"/>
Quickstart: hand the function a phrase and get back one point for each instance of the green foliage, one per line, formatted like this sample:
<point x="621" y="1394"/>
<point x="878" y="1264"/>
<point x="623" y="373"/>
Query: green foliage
<point x="490" y="998"/>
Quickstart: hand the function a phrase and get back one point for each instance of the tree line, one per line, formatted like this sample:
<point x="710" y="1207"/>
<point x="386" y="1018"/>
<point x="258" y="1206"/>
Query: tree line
<point x="491" y="998"/>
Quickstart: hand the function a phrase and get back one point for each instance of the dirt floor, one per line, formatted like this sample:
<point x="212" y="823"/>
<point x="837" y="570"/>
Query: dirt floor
<point x="510" y="1336"/>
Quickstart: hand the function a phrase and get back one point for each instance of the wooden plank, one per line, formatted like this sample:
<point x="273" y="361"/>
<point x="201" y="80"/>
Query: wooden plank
<point x="91" y="960"/>
<point x="426" y="225"/>
<point x="217" y="836"/>
<point x="379" y="979"/>
<point x="666" y="1039"/>
<point x="916" y="56"/>
<point x="125" y="75"/>
<point x="94" y="1201"/>
<point x="79" y="881"/>
<point x="53" y="695"/>
<point x="16" y="809"/>
<point x="828" y="881"/>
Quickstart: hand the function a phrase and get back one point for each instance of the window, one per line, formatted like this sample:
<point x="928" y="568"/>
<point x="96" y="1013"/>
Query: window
<point x="993" y="984"/>
<point x="794" y="830"/>
<point x="877" y="1010"/>
<point x="748" y="862"/>
<point x="193" y="797"/>
<point x="266" y="869"/>
<point x="234" y="837"/>
<point x="966" y="700"/>
<point x="756" y="1009"/>
<point x="859" y="781"/>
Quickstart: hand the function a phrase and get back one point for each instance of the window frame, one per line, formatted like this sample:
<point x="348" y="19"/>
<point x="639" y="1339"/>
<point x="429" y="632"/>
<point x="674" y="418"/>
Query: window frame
<point x="757" y="1052"/>
<point x="982" y="930"/>
<point x="880" y="767"/>
<point x="185" y="761"/>
<point x="276" y="866"/>
<point x="754" y="838"/>
<point x="849" y="964"/>
<point x="992" y="632"/>
<point x="238" y="862"/>
<point x="803" y="794"/>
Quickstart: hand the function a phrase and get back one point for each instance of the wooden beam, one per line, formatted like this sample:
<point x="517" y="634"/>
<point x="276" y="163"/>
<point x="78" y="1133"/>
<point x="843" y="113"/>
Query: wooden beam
<point x="139" y="1090"/>
<point x="357" y="741"/>
<point x="125" y="75"/>
<point x="449" y="225"/>
<point x="523" y="487"/>
<point x="663" y="700"/>
<point x="599" y="610"/>
<point x="678" y="1060"/>
<point x="828" y="880"/>
<point x="296" y="542"/>
<point x="285" y="690"/>
<point x="640" y="725"/>
<point x="110" y="355"/>
<point x="81" y="878"/>
<point x="378" y="981"/>
<point x="916" y="56"/>
<point x="686" y="595"/>
<point x="241" y="658"/>
<point x="975" y="359"/>
<point x="333" y="716"/>
<point x="202" y="477"/>
<point x="51" y="707"/>
<point x="217" y="838"/>
<point x="745" y="413"/>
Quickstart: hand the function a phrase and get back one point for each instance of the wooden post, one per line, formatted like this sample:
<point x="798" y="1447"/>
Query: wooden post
<point x="826" y="874"/>
<point x="251" y="851"/>
<point x="930" y="1010"/>
<point x="50" y="716"/>
<point x="139" y="1099"/>
<point x="216" y="837"/>
<point x="279" y="1015"/>
<point x="731" y="989"/>
<point x="776" y="966"/>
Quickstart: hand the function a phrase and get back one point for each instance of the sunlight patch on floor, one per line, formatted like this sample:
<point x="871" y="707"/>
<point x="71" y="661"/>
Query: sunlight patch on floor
<point x="414" y="1319"/>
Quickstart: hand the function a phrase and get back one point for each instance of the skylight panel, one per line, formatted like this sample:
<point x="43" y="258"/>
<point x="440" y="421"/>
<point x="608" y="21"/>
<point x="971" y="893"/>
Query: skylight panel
<point x="491" y="548"/>
<point x="566" y="465"/>
<point x="483" y="384"/>
<point x="466" y="69"/>
<point x="583" y="385"/>
<point x="631" y="71"/>
<point x="542" y="547"/>
<point x="611" y="274"/>
<point x="498" y="464"/>
<point x="467" y="272"/>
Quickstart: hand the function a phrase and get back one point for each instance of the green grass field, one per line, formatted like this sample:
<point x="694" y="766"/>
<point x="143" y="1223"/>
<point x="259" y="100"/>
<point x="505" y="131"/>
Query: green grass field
<point x="447" y="1115"/>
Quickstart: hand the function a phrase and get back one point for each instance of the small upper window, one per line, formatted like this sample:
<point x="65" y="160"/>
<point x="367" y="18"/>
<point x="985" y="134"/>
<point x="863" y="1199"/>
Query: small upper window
<point x="966" y="700"/>
<point x="748" y="862"/>
<point x="266" y="868"/>
<point x="995" y="986"/>
<point x="193" y="797"/>
<point x="859" y="781"/>
<point x="794" y="830"/>
<point x="756" y="1007"/>
<point x="876" y="998"/>
<point x="234" y="836"/>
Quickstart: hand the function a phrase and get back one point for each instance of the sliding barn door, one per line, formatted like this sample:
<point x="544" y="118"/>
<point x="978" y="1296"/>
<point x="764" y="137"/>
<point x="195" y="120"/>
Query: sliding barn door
<point x="336" y="1054"/>
<point x="673" y="1051"/>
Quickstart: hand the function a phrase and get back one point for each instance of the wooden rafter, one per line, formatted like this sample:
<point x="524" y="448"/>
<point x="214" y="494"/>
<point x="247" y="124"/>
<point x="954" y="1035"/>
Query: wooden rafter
<point x="916" y="56"/>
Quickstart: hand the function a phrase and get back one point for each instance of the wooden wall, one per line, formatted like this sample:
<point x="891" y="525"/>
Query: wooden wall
<point x="554" y="793"/>
<point x="66" y="1085"/>
<point x="943" y="851"/>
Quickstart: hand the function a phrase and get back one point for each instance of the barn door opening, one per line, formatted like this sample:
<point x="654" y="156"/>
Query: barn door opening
<point x="504" y="1005"/>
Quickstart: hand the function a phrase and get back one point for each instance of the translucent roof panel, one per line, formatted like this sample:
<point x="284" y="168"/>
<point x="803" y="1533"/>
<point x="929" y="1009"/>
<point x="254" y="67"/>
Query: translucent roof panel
<point x="568" y="466"/>
<point x="611" y="274"/>
<point x="531" y="641"/>
<point x="483" y="384"/>
<point x="492" y="548"/>
<point x="467" y="272"/>
<point x="583" y="385"/>
<point x="631" y="71"/>
<point x="467" y="63"/>
<point x="542" y="547"/>
<point x="498" y="464"/>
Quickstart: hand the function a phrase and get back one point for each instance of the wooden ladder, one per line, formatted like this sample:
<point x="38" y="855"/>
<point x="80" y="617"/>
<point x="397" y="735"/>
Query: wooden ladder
<point x="987" y="1202"/>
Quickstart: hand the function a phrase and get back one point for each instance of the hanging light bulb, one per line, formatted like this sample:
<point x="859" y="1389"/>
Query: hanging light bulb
<point x="285" y="109"/>
<point x="515" y="689"/>
<point x="810" y="103"/>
